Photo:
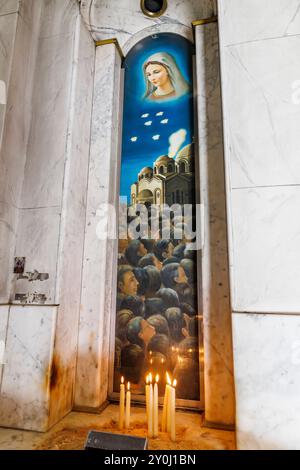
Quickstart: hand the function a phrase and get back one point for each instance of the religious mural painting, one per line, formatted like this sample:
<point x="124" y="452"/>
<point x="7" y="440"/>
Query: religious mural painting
<point x="158" y="314"/>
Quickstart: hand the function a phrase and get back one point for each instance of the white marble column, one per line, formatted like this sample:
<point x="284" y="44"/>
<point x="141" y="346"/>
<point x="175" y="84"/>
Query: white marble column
<point x="98" y="294"/>
<point x="218" y="365"/>
<point x="259" y="44"/>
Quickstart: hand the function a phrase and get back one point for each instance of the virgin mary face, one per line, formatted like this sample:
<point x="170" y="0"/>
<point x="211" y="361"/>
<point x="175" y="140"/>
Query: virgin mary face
<point x="157" y="75"/>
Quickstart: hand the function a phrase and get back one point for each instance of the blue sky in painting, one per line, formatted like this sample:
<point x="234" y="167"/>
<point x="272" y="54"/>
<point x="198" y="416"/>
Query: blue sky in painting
<point x="141" y="145"/>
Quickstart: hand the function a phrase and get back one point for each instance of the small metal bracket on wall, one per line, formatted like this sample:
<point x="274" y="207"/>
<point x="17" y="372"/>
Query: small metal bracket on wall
<point x="114" y="41"/>
<point x="203" y="21"/>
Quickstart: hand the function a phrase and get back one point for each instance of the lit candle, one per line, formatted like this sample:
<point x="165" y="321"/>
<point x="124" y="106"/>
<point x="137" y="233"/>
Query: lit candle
<point x="166" y="405"/>
<point x="122" y="404"/>
<point x="147" y="391"/>
<point x="128" y="400"/>
<point x="150" y="409"/>
<point x="155" y="407"/>
<point x="173" y="408"/>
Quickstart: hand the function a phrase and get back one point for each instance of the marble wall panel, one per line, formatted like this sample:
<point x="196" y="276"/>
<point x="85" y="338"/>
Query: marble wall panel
<point x="24" y="398"/>
<point x="262" y="79"/>
<point x="108" y="19"/>
<point x="4" y="312"/>
<point x="9" y="6"/>
<point x="43" y="180"/>
<point x="266" y="259"/>
<point x="72" y="229"/>
<point x="244" y="21"/>
<point x="38" y="236"/>
<point x="267" y="377"/>
<point x="98" y="282"/>
<point x="218" y="365"/>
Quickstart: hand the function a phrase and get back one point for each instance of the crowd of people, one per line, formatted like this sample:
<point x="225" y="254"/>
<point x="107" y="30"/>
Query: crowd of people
<point x="158" y="318"/>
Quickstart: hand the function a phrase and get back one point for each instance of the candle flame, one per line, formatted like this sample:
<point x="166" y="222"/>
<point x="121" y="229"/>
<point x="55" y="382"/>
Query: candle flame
<point x="147" y="379"/>
<point x="174" y="383"/>
<point x="150" y="377"/>
<point x="128" y="386"/>
<point x="122" y="380"/>
<point x="168" y="379"/>
<point x="157" y="378"/>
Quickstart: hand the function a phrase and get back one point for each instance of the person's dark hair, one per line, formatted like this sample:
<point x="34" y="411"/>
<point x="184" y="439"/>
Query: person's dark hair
<point x="133" y="303"/>
<point x="154" y="306"/>
<point x="143" y="280"/>
<point x="176" y="323"/>
<point x="147" y="260"/>
<point x="171" y="260"/>
<point x="154" y="280"/>
<point x="193" y="327"/>
<point x="188" y="309"/>
<point x="131" y="252"/>
<point x="186" y="373"/>
<point x="189" y="348"/>
<point x="160" y="247"/>
<point x="160" y="324"/>
<point x="189" y="269"/>
<point x="169" y="297"/>
<point x="148" y="244"/>
<point x="132" y="360"/>
<point x="123" y="317"/>
<point x="168" y="275"/>
<point x="190" y="254"/>
<point x="134" y="327"/>
<point x="159" y="343"/>
<point x="122" y="259"/>
<point x="179" y="251"/>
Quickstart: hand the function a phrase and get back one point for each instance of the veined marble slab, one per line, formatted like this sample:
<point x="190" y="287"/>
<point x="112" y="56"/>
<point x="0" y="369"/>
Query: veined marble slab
<point x="252" y="20"/>
<point x="98" y="293"/>
<point x="9" y="6"/>
<point x="26" y="383"/>
<point x="109" y="18"/>
<point x="267" y="380"/>
<point x="261" y="91"/>
<point x="218" y="369"/>
<point x="266" y="255"/>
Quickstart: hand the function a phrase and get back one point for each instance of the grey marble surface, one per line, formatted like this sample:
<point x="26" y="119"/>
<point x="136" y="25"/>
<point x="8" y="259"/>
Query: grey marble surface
<point x="218" y="361"/>
<point x="24" y="398"/>
<point x="266" y="364"/>
<point x="246" y="21"/>
<point x="122" y="19"/>
<point x="98" y="282"/>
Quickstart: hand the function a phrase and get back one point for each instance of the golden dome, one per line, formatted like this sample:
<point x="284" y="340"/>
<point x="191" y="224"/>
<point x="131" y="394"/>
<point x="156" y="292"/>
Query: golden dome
<point x="186" y="153"/>
<point x="164" y="159"/>
<point x="146" y="170"/>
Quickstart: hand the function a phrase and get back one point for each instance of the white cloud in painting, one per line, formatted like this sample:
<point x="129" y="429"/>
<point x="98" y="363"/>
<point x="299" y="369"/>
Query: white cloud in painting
<point x="164" y="121"/>
<point x="156" y="137"/>
<point x="134" y="139"/>
<point x="145" y="115"/>
<point x="175" y="141"/>
<point x="160" y="113"/>
<point x="148" y="123"/>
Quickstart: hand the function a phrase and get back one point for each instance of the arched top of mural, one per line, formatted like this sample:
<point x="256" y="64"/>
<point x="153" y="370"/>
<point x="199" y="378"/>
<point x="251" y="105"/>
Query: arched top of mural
<point x="106" y="19"/>
<point x="180" y="30"/>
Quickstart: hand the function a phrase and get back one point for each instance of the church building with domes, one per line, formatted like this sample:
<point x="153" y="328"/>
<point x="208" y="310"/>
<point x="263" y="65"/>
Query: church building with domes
<point x="170" y="181"/>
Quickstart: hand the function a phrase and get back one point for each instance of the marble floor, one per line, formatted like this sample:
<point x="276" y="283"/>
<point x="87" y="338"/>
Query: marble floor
<point x="71" y="432"/>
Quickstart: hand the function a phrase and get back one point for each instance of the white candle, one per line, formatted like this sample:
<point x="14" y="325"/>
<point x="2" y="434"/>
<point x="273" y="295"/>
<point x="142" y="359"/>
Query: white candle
<point x="155" y="407"/>
<point x="147" y="391"/>
<point x="150" y="410"/>
<point x="122" y="404"/>
<point x="166" y="405"/>
<point x="128" y="400"/>
<point x="173" y="408"/>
